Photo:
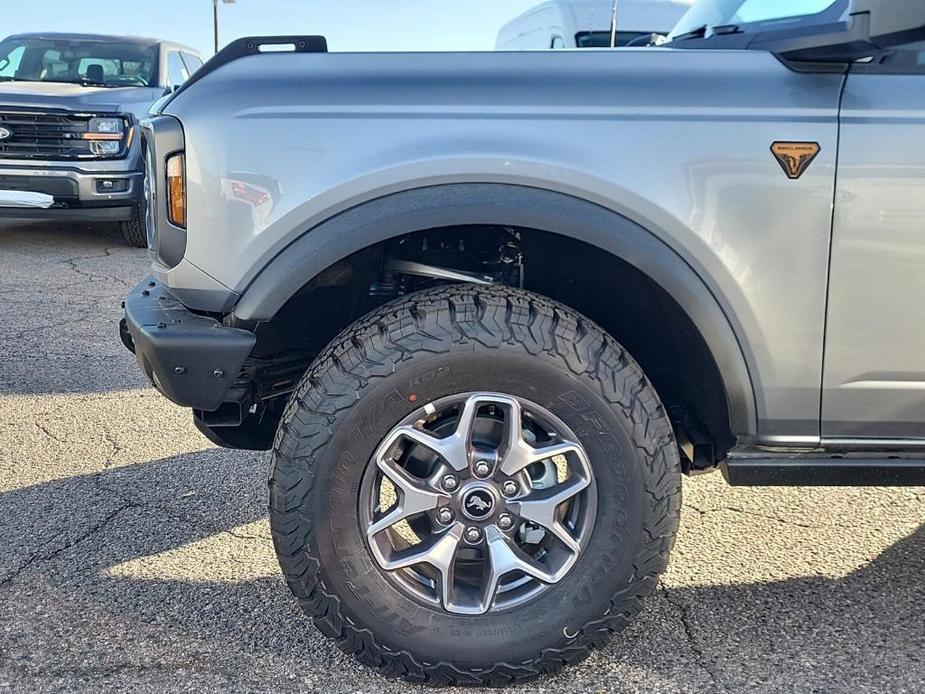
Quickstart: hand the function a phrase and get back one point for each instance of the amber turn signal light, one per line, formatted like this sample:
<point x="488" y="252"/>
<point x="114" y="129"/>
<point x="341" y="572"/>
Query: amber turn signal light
<point x="176" y="190"/>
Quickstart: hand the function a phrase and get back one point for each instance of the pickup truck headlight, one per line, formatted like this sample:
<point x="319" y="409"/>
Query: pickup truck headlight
<point x="176" y="190"/>
<point x="106" y="126"/>
<point x="106" y="135"/>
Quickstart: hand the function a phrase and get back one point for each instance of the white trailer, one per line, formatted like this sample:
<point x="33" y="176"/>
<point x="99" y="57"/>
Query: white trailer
<point x="586" y="23"/>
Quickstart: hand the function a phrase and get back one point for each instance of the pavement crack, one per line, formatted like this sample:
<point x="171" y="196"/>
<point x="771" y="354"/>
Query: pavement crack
<point x="699" y="654"/>
<point x="48" y="433"/>
<point x="72" y="263"/>
<point x="38" y="328"/>
<point x="38" y="557"/>
<point x="116" y="449"/>
<point x="246" y="536"/>
<point x="766" y="516"/>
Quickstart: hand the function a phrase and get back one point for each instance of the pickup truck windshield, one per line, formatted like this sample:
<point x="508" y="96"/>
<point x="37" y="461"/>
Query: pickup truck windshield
<point x="757" y="13"/>
<point x="78" y="61"/>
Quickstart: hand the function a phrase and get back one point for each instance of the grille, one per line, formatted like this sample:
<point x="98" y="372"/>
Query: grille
<point x="47" y="136"/>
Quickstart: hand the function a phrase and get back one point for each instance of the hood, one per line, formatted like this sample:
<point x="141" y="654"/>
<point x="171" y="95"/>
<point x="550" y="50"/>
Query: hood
<point x="76" y="97"/>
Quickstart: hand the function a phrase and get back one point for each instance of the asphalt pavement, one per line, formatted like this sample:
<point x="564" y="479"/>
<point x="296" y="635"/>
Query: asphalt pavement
<point x="135" y="556"/>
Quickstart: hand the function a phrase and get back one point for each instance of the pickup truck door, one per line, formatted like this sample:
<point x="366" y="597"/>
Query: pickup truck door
<point x="874" y="369"/>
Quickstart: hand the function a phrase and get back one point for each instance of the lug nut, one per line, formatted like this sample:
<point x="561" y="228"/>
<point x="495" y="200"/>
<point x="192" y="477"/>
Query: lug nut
<point x="509" y="488"/>
<point x="473" y="535"/>
<point x="450" y="483"/>
<point x="482" y="469"/>
<point x="505" y="522"/>
<point x="445" y="516"/>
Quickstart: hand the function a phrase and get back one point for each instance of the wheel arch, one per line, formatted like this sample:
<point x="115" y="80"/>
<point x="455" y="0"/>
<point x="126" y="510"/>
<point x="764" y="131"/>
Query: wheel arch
<point x="464" y="204"/>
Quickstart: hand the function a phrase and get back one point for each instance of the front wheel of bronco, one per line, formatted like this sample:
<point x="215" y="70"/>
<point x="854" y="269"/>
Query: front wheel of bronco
<point x="473" y="486"/>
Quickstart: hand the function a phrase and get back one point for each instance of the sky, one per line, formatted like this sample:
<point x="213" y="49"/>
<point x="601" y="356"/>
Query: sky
<point x="349" y="25"/>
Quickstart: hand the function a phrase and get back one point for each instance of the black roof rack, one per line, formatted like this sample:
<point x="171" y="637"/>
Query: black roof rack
<point x="252" y="45"/>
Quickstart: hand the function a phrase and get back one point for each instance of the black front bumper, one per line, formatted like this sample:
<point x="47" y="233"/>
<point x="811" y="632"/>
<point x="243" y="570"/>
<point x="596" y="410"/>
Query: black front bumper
<point x="192" y="359"/>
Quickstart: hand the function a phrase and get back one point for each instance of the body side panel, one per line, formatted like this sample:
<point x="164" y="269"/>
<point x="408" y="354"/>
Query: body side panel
<point x="675" y="141"/>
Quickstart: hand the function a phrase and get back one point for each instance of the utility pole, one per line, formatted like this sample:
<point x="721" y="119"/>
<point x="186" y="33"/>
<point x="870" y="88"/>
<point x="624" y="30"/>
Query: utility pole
<point x="215" y="18"/>
<point x="613" y="25"/>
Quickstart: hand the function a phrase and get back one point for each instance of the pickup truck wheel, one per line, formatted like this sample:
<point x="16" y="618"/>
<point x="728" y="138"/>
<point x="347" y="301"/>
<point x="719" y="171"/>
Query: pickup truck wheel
<point x="134" y="230"/>
<point x="473" y="486"/>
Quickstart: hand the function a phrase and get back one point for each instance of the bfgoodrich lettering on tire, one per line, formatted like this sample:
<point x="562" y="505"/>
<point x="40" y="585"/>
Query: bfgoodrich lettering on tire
<point x="473" y="486"/>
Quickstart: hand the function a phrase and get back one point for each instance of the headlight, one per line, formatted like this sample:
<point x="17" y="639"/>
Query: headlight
<point x="111" y="126"/>
<point x="105" y="147"/>
<point x="176" y="190"/>
<point x="106" y="135"/>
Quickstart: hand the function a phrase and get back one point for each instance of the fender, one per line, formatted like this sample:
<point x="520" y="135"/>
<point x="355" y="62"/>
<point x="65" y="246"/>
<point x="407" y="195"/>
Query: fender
<point x="461" y="204"/>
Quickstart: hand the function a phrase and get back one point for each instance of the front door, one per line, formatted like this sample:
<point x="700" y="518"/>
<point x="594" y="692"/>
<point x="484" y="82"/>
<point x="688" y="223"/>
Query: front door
<point x="874" y="370"/>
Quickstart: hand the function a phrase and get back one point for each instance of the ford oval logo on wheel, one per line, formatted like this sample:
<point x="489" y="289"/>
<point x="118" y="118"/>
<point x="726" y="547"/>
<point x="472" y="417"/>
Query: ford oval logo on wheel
<point x="5" y="133"/>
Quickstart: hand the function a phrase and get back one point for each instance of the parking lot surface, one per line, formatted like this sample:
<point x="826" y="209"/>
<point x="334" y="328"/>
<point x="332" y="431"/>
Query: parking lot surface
<point x="135" y="556"/>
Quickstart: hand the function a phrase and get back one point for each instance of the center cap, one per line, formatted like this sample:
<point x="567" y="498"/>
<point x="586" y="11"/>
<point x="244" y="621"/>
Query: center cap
<point x="478" y="504"/>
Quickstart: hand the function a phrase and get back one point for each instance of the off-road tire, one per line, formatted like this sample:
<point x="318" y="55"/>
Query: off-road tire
<point x="456" y="339"/>
<point x="134" y="230"/>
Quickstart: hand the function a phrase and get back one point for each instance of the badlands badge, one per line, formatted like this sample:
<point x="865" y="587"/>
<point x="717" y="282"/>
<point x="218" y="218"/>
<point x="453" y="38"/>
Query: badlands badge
<point x="795" y="157"/>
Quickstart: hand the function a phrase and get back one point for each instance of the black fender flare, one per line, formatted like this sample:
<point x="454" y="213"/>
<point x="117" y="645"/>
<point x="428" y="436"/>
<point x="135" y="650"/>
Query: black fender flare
<point x="460" y="204"/>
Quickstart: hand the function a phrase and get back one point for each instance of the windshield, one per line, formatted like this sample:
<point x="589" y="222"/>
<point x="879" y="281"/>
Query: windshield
<point x="601" y="39"/>
<point x="78" y="61"/>
<point x="714" y="13"/>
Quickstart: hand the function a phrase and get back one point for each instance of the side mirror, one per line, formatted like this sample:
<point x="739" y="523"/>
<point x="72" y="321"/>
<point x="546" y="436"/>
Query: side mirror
<point x="872" y="26"/>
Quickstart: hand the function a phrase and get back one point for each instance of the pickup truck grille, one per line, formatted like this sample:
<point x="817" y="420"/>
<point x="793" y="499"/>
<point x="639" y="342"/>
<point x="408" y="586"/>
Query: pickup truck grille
<point x="46" y="136"/>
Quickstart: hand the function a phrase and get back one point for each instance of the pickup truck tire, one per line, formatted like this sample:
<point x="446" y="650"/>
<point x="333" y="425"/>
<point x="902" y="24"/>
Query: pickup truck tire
<point x="134" y="231"/>
<point x="422" y="349"/>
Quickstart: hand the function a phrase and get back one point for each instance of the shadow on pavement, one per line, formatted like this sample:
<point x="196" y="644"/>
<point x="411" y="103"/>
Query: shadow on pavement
<point x="42" y="233"/>
<point x="810" y="633"/>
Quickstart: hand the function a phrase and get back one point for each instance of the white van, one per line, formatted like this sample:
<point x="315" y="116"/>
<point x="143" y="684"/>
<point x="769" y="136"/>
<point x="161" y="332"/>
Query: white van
<point x="586" y="23"/>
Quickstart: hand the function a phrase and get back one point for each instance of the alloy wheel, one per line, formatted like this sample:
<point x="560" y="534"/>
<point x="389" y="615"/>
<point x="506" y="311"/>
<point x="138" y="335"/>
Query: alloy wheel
<point x="478" y="502"/>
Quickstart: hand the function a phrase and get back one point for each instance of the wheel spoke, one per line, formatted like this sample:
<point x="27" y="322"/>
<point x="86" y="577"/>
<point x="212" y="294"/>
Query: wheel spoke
<point x="448" y="448"/>
<point x="523" y="454"/>
<point x="503" y="557"/>
<point x="540" y="507"/>
<point x="457" y="450"/>
<point x="414" y="497"/>
<point x="513" y="426"/>
<point x="460" y="452"/>
<point x="438" y="551"/>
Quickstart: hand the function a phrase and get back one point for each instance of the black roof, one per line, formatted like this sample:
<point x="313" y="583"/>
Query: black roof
<point x="137" y="40"/>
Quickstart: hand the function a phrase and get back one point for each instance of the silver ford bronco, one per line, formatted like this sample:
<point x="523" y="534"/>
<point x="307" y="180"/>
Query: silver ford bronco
<point x="485" y="309"/>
